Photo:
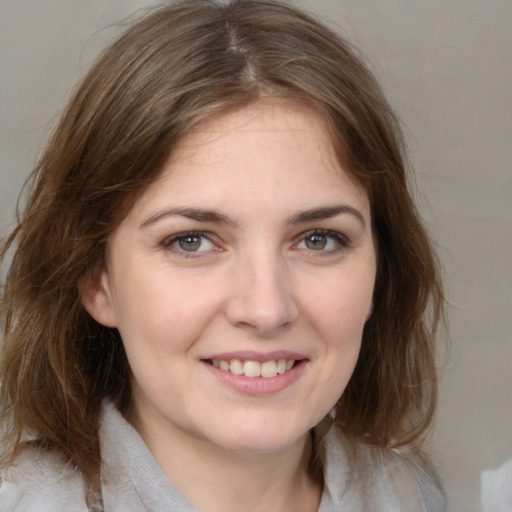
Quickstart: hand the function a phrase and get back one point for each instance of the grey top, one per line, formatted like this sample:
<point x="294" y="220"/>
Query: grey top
<point x="132" y="480"/>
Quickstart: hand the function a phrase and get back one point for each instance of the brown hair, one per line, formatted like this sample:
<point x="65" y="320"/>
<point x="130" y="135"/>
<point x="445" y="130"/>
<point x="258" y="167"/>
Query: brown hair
<point x="171" y="69"/>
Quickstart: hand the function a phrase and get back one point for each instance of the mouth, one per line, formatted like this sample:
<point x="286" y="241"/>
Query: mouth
<point x="253" y="369"/>
<point x="257" y="374"/>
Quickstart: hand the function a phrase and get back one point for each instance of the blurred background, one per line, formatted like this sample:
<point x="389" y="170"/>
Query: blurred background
<point x="447" y="68"/>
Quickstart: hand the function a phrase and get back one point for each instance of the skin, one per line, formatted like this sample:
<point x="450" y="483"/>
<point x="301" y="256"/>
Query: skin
<point x="258" y="279"/>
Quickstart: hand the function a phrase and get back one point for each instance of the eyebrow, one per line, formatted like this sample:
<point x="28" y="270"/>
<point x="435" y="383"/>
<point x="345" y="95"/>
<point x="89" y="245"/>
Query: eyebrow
<point x="325" y="212"/>
<point x="320" y="213"/>
<point x="190" y="213"/>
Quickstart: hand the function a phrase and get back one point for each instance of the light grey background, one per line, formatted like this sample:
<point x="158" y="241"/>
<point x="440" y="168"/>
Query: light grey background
<point x="447" y="66"/>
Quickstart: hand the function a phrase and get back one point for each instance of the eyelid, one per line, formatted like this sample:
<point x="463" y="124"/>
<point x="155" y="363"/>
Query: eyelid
<point x="167" y="242"/>
<point x="341" y="239"/>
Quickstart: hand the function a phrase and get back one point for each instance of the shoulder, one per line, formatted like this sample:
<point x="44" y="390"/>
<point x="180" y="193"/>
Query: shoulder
<point x="369" y="478"/>
<point x="39" y="481"/>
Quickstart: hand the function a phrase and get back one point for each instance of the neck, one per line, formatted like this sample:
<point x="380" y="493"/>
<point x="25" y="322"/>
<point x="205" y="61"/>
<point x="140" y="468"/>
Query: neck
<point x="217" y="480"/>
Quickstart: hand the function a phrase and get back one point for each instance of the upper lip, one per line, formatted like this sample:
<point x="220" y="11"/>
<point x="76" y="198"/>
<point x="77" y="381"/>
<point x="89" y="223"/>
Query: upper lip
<point x="249" y="355"/>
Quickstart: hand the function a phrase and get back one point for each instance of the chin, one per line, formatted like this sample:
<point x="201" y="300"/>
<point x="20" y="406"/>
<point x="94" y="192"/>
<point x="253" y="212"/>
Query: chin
<point x="259" y="445"/>
<point x="260" y="437"/>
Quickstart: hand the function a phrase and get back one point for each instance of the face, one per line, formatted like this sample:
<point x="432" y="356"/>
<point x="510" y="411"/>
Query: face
<point x="240" y="282"/>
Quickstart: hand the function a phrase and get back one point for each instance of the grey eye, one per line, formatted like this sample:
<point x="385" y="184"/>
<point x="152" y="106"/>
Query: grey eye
<point x="316" y="242"/>
<point x="190" y="243"/>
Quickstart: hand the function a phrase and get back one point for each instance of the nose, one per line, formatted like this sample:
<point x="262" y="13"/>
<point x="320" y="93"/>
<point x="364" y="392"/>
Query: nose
<point x="262" y="299"/>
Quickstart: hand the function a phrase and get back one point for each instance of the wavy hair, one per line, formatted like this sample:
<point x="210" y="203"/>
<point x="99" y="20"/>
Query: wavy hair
<point x="172" y="68"/>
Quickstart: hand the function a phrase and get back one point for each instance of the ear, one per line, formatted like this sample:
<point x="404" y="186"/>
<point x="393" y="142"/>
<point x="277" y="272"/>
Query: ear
<point x="96" y="297"/>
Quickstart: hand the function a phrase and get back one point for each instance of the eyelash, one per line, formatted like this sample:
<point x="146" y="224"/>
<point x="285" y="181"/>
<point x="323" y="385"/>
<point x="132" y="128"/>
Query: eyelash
<point x="170" y="241"/>
<point x="340" y="240"/>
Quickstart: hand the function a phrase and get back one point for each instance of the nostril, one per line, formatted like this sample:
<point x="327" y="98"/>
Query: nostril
<point x="262" y="321"/>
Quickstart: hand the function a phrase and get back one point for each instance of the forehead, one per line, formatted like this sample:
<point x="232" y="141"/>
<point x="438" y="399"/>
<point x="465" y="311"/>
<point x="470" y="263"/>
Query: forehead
<point x="271" y="122"/>
<point x="279" y="148"/>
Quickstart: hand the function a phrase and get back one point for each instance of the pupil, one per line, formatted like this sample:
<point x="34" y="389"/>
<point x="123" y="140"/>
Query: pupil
<point x="316" y="242"/>
<point x="190" y="243"/>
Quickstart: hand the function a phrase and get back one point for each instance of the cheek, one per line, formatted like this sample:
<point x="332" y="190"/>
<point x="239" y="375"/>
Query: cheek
<point x="341" y="307"/>
<point x="165" y="312"/>
<point x="338" y="315"/>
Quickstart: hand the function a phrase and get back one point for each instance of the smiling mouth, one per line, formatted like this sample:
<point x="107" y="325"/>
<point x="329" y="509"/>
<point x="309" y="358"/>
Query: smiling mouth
<point x="249" y="368"/>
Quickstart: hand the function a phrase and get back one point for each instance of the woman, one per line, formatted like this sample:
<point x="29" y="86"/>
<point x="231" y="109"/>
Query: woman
<point x="221" y="296"/>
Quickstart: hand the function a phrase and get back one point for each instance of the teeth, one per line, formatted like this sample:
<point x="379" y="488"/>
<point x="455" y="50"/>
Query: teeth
<point x="252" y="369"/>
<point x="269" y="369"/>
<point x="249" y="368"/>
<point x="236" y="367"/>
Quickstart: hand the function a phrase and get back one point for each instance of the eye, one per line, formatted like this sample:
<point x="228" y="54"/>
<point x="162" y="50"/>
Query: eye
<point x="316" y="242"/>
<point x="191" y="242"/>
<point x="322" y="241"/>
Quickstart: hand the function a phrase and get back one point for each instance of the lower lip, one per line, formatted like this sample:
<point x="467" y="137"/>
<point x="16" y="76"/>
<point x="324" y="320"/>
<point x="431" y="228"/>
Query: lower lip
<point x="257" y="386"/>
